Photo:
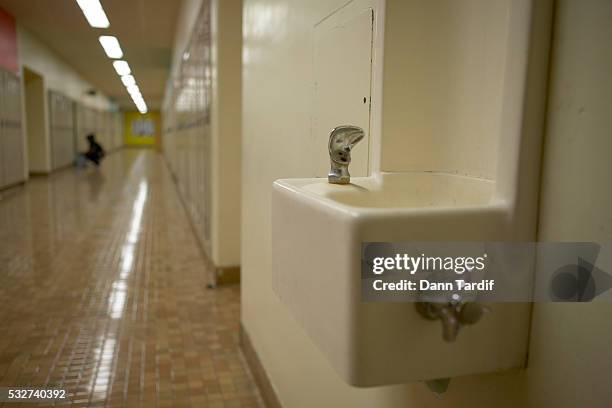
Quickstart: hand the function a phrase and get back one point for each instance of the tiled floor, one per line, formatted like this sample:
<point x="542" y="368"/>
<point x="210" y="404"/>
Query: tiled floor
<point x="103" y="292"/>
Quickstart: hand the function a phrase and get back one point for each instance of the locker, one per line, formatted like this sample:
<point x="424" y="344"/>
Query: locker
<point x="118" y="129"/>
<point x="53" y="122"/>
<point x="12" y="166"/>
<point x="80" y="142"/>
<point x="104" y="124"/>
<point x="186" y="128"/>
<point x="61" y="128"/>
<point x="69" y="147"/>
<point x="2" y="127"/>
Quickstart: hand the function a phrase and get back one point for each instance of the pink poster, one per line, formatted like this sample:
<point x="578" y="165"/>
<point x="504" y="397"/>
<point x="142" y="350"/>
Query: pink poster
<point x="8" y="42"/>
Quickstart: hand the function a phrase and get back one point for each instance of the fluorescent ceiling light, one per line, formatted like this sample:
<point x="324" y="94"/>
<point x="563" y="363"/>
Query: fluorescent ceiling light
<point x="128" y="80"/>
<point x="111" y="46"/>
<point x="122" y="67"/>
<point x="136" y="95"/>
<point x="134" y="91"/>
<point x="94" y="13"/>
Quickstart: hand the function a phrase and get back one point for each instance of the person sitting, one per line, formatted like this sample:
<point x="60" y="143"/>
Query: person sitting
<point x="95" y="153"/>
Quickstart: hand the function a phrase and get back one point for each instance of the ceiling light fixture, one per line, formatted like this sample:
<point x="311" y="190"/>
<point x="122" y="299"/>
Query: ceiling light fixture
<point x="94" y="13"/>
<point x="128" y="80"/>
<point x="134" y="91"/>
<point x="142" y="107"/>
<point x="111" y="46"/>
<point x="122" y="67"/>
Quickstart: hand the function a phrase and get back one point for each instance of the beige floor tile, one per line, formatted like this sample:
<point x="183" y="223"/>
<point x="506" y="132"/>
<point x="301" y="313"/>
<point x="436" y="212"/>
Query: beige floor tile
<point x="103" y="292"/>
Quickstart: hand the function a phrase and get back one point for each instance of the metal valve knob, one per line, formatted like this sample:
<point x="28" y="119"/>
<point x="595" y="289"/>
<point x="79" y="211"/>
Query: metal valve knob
<point x="453" y="315"/>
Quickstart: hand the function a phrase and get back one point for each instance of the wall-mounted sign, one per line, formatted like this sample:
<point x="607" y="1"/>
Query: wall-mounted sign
<point x="141" y="130"/>
<point x="143" y="127"/>
<point x="8" y="43"/>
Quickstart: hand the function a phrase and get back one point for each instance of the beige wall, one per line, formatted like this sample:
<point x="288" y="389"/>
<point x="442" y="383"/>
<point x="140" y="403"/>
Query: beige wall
<point x="448" y="60"/>
<point x="58" y="75"/>
<point x="570" y="358"/>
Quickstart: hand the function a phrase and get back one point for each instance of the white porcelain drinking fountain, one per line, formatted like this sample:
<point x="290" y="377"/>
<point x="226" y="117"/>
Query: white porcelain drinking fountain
<point x="318" y="227"/>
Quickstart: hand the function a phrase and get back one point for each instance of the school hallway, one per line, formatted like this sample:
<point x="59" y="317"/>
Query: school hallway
<point x="305" y="204"/>
<point x="104" y="292"/>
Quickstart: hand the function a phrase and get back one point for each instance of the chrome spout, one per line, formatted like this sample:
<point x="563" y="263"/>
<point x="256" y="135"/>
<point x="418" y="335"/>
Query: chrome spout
<point x="342" y="139"/>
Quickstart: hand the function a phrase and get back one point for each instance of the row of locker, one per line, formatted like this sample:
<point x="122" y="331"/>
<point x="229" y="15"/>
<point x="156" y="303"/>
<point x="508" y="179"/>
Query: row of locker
<point x="187" y="128"/>
<point x="12" y="160"/>
<point x="70" y="123"/>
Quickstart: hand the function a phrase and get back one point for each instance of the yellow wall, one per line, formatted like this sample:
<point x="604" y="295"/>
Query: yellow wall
<point x="131" y="139"/>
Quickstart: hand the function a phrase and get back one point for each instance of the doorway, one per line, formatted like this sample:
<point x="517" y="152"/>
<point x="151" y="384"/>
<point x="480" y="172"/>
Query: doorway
<point x="38" y="143"/>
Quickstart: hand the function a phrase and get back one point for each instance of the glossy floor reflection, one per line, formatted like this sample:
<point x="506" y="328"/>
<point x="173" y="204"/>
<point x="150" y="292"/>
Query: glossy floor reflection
<point x="103" y="292"/>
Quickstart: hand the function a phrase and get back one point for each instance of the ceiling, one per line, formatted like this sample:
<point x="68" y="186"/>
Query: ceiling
<point x="145" y="29"/>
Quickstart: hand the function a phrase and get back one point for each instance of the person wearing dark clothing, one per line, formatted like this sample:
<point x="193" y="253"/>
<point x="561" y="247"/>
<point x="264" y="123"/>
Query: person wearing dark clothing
<point x="95" y="152"/>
